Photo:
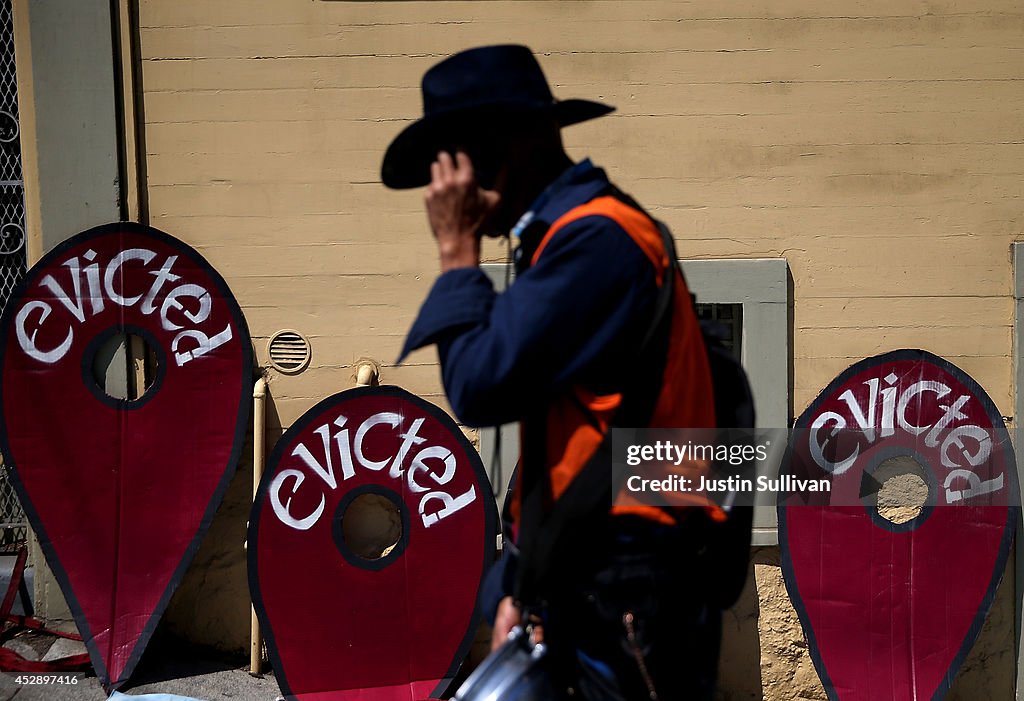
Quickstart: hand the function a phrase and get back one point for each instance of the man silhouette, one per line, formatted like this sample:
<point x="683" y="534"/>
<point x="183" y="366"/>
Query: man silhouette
<point x="626" y="615"/>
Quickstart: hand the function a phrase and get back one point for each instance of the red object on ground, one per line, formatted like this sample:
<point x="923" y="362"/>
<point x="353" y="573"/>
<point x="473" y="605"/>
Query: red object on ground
<point x="11" y="660"/>
<point x="339" y="626"/>
<point x="121" y="492"/>
<point x="891" y="610"/>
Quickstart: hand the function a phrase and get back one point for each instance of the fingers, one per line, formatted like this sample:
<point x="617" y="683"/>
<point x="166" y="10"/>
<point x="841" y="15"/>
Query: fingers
<point x="442" y="175"/>
<point x="506" y="618"/>
<point x="447" y="167"/>
<point x="464" y="166"/>
<point x="491" y="198"/>
<point x="435" y="173"/>
<point x="537" y="634"/>
<point x="448" y="171"/>
<point x="498" y="638"/>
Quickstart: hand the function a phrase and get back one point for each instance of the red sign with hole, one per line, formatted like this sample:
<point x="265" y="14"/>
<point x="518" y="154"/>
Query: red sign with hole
<point x="394" y="624"/>
<point x="120" y="461"/>
<point x="892" y="604"/>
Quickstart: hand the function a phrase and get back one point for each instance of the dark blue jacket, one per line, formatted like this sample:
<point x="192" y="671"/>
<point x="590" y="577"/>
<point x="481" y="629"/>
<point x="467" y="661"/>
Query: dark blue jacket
<point x="574" y="318"/>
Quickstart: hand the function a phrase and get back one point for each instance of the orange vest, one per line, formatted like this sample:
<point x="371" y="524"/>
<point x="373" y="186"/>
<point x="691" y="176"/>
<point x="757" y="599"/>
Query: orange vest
<point x="686" y="399"/>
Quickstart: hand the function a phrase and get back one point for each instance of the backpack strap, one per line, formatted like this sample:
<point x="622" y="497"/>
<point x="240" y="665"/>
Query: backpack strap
<point x="546" y="539"/>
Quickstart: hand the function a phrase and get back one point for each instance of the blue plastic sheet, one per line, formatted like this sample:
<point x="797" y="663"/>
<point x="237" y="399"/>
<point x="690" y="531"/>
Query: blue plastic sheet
<point x="118" y="696"/>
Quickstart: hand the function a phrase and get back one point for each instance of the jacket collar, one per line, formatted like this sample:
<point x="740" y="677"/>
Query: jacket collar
<point x="576" y="185"/>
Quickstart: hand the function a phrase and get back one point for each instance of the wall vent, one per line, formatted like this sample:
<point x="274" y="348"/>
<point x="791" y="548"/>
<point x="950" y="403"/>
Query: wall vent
<point x="289" y="351"/>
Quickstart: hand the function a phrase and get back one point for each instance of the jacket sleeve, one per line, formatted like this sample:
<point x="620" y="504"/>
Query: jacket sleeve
<point x="578" y="312"/>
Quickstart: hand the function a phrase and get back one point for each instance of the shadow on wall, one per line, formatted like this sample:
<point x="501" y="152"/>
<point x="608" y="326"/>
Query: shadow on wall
<point x="989" y="672"/>
<point x="211" y="606"/>
<point x="765" y="655"/>
<point x="739" y="665"/>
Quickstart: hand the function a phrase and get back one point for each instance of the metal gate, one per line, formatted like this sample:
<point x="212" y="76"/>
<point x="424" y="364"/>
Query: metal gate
<point x="13" y="260"/>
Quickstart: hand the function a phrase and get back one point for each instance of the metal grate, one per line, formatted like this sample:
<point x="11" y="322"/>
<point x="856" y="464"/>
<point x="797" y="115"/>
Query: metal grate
<point x="13" y="261"/>
<point x="731" y="317"/>
<point x="13" y="531"/>
<point x="289" y="351"/>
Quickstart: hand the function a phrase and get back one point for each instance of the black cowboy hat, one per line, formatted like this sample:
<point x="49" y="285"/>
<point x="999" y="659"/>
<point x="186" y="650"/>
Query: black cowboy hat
<point x="472" y="88"/>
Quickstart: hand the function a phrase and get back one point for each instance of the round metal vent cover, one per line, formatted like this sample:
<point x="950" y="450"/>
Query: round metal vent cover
<point x="289" y="351"/>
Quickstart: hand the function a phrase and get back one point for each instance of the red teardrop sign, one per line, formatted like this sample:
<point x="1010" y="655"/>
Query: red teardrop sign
<point x="892" y="602"/>
<point x="345" y="624"/>
<point x="121" y="491"/>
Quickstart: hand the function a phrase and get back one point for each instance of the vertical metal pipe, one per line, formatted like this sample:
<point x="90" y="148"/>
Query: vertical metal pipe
<point x="259" y="394"/>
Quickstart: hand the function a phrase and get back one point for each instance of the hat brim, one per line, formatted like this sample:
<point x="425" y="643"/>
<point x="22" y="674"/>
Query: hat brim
<point x="407" y="160"/>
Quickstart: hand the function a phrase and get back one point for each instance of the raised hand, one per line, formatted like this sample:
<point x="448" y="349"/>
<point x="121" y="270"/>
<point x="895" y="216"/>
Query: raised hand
<point x="457" y="207"/>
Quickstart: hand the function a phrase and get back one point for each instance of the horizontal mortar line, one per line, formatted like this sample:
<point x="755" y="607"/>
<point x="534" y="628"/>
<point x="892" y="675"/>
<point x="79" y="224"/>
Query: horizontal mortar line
<point x="619" y="115"/>
<point x="614" y="52"/>
<point x="815" y="176"/>
<point x="283" y="390"/>
<point x="277" y="182"/>
<point x="797" y="205"/>
<point x="285" y="215"/>
<point x="282" y="396"/>
<point x="947" y="174"/>
<point x="815" y="81"/>
<point x="334" y="366"/>
<point x="936" y="200"/>
<point x="285" y="183"/>
<point x="860" y="296"/>
<point x="699" y="206"/>
<point x="288" y="57"/>
<point x="352" y="120"/>
<point x="803" y="307"/>
<point x="305" y="244"/>
<point x="903" y="326"/>
<point x="301" y="24"/>
<point x="320" y="152"/>
<point x="893" y="205"/>
<point x="972" y="356"/>
<point x="414" y="88"/>
<point x="278" y="185"/>
<point x="904" y="237"/>
<point x="629" y="52"/>
<point x="673" y="20"/>
<point x="393" y="340"/>
<point x="581" y="147"/>
<point x="609" y="52"/>
<point x="326" y="309"/>
<point x="866" y="110"/>
<point x="371" y="333"/>
<point x="332" y="275"/>
<point x="938" y="45"/>
<point x="342" y="152"/>
<point x="778" y="239"/>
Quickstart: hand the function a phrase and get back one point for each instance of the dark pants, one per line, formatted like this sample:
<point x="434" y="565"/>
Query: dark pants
<point x="638" y="624"/>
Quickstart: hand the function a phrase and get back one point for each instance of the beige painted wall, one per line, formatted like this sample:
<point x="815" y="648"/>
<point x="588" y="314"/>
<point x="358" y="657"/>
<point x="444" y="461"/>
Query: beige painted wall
<point x="876" y="144"/>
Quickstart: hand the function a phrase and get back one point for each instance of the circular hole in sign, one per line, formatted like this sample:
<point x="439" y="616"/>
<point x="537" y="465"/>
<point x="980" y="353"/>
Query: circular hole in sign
<point x="903" y="491"/>
<point x="371" y="527"/>
<point x="125" y="366"/>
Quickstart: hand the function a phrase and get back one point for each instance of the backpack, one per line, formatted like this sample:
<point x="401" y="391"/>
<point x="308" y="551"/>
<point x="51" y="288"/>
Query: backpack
<point x="728" y="543"/>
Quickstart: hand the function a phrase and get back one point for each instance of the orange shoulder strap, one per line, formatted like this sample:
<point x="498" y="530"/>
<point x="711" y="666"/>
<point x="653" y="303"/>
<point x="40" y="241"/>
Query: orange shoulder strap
<point x="637" y="224"/>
